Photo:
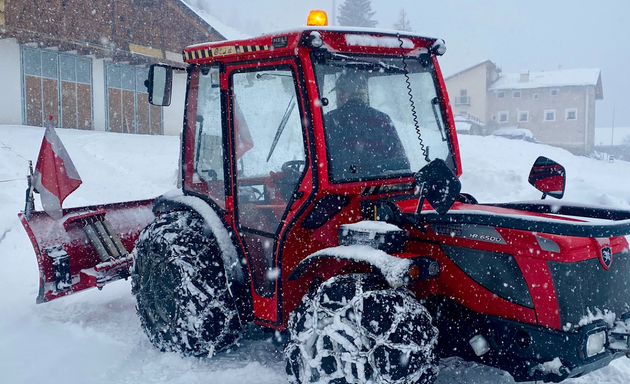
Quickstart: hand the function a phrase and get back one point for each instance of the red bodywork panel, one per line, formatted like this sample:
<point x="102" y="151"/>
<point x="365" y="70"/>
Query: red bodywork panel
<point x="85" y="267"/>
<point x="530" y="257"/>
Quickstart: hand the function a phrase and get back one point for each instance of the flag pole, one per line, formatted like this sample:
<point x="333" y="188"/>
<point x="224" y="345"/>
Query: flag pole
<point x="30" y="201"/>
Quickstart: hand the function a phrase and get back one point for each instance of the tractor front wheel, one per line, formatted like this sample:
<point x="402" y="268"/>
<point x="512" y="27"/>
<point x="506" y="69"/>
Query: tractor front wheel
<point x="356" y="329"/>
<point x="180" y="286"/>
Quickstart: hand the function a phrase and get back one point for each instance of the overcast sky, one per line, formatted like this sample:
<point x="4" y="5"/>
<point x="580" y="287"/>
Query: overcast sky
<point x="534" y="35"/>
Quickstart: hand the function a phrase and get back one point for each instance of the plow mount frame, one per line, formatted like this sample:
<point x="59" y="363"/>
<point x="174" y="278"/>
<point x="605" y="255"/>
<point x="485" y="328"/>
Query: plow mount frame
<point x="89" y="247"/>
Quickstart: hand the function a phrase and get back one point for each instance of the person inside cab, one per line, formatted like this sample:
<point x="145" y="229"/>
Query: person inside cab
<point x="362" y="141"/>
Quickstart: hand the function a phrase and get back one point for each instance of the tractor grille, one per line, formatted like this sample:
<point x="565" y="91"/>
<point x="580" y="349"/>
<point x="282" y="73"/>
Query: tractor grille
<point x="586" y="285"/>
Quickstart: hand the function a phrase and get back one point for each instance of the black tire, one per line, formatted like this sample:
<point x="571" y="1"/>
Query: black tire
<point x="355" y="329"/>
<point x="179" y="283"/>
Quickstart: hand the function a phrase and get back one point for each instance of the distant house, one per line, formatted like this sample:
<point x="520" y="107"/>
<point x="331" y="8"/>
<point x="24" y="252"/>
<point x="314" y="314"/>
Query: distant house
<point x="558" y="107"/>
<point x="468" y="89"/>
<point x="85" y="62"/>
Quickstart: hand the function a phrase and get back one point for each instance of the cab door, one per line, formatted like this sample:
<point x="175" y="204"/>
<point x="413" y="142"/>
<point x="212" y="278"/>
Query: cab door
<point x="269" y="157"/>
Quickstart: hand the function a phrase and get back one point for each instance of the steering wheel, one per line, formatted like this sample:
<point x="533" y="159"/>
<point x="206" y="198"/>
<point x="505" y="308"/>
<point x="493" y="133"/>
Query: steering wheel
<point x="293" y="167"/>
<point x="291" y="172"/>
<point x="250" y="194"/>
<point x="258" y="195"/>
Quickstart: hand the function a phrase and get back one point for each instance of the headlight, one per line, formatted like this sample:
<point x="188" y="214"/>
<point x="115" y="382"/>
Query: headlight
<point x="479" y="344"/>
<point x="377" y="234"/>
<point x="595" y="343"/>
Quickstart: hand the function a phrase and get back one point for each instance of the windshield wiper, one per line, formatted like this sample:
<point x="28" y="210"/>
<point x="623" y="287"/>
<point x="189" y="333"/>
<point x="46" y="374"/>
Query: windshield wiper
<point x="434" y="102"/>
<point x="283" y="124"/>
<point x="349" y="60"/>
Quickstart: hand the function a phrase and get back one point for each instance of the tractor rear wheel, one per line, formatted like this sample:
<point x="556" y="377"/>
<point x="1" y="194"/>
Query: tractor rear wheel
<point x="180" y="286"/>
<point x="356" y="329"/>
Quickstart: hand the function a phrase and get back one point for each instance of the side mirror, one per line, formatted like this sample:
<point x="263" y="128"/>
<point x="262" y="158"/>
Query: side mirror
<point x="439" y="185"/>
<point x="548" y="177"/>
<point x="159" y="84"/>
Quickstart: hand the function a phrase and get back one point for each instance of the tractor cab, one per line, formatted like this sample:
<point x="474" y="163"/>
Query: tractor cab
<point x="285" y="131"/>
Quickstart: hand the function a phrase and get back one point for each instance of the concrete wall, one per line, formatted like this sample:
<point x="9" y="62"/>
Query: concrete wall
<point x="174" y="114"/>
<point x="474" y="82"/>
<point x="10" y="78"/>
<point x="590" y="123"/>
<point x="98" y="94"/>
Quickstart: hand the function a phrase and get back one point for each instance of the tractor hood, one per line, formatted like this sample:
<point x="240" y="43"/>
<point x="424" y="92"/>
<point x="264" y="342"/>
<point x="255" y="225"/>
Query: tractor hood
<point x="553" y="218"/>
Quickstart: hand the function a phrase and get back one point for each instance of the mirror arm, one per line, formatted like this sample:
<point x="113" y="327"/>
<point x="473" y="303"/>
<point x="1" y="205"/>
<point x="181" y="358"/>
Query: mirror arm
<point x="421" y="198"/>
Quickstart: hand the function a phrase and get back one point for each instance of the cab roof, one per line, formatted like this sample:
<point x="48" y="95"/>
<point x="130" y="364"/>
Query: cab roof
<point x="283" y="43"/>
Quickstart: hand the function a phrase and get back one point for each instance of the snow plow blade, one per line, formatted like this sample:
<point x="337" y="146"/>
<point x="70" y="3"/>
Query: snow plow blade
<point x="89" y="247"/>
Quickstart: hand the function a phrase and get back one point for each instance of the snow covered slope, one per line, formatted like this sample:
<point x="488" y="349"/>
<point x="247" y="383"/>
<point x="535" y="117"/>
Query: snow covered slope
<point x="95" y="337"/>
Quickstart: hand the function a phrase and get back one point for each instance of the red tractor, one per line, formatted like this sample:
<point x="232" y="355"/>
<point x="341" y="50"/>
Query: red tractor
<point x="321" y="197"/>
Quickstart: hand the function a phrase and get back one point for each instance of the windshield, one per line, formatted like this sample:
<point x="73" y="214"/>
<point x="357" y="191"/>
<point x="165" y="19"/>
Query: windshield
<point x="369" y="122"/>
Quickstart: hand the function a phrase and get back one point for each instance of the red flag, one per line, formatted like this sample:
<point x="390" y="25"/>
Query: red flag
<point x="55" y="176"/>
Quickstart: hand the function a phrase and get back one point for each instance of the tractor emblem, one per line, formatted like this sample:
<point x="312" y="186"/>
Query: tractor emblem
<point x="606" y="257"/>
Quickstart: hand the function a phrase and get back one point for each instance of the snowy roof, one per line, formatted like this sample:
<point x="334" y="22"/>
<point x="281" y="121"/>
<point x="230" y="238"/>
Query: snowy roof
<point x="564" y="78"/>
<point x="348" y="29"/>
<point x="228" y="33"/>
<point x="470" y="68"/>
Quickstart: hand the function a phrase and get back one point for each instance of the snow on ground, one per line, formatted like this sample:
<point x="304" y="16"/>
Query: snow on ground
<point x="95" y="336"/>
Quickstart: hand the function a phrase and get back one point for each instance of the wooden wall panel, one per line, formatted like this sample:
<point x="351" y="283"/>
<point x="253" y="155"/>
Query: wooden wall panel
<point x="98" y="26"/>
<point x="84" y="101"/>
<point x="91" y="20"/>
<point x="143" y="114"/>
<point x="156" y="120"/>
<point x="69" y="104"/>
<point x="129" y="112"/>
<point x="115" y="110"/>
<point x="149" y="32"/>
<point x="50" y="89"/>
<point x="33" y="100"/>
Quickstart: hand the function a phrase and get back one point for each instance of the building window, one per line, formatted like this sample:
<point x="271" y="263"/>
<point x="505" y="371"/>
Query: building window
<point x="523" y="116"/>
<point x="57" y="84"/>
<point x="501" y="95"/>
<point x="128" y="108"/>
<point x="516" y="94"/>
<point x="503" y="117"/>
<point x="536" y="96"/>
<point x="549" y="115"/>
<point x="554" y="92"/>
<point x="463" y="98"/>
<point x="570" y="114"/>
